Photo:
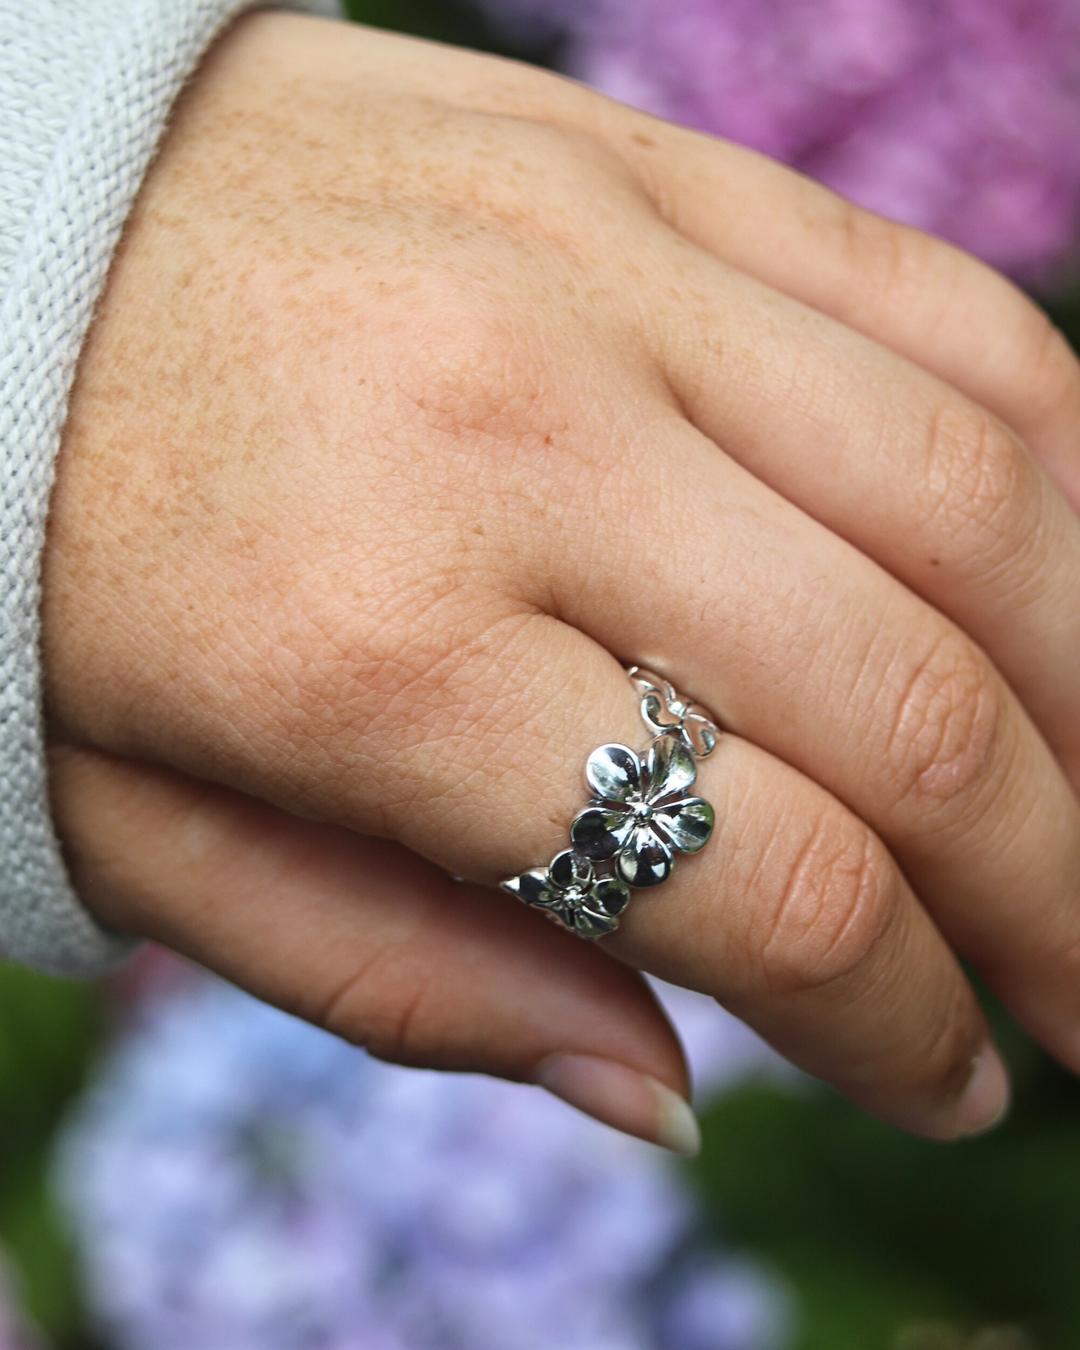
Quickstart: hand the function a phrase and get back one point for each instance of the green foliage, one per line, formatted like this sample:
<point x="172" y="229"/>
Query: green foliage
<point x="453" y="21"/>
<point x="1066" y="314"/>
<point x="49" y="1030"/>
<point x="436" y="19"/>
<point x="892" y="1242"/>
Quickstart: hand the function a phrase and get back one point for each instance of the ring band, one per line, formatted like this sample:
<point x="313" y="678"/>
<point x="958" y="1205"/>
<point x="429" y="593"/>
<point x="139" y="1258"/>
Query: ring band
<point x="639" y="818"/>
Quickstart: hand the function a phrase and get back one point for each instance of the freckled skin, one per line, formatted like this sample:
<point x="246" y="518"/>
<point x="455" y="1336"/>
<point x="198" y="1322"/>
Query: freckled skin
<point x="426" y="390"/>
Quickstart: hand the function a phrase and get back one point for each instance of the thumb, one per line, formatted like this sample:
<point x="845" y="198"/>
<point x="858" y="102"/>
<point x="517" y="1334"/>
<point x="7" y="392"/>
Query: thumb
<point x="366" y="939"/>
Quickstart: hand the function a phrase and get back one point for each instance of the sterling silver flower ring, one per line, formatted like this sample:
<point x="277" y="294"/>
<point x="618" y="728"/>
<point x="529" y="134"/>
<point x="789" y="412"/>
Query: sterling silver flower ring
<point x="641" y="815"/>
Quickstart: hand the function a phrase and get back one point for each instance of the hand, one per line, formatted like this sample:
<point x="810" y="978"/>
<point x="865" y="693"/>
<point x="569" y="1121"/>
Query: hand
<point x="425" y="387"/>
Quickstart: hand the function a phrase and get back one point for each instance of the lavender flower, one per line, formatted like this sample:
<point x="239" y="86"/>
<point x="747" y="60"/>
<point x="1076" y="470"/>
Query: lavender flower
<point x="959" y="116"/>
<point x="721" y="1050"/>
<point x="731" y="1303"/>
<point x="238" y="1179"/>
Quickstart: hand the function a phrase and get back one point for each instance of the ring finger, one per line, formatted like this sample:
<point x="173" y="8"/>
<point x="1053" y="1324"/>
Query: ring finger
<point x="813" y="653"/>
<point x="476" y="763"/>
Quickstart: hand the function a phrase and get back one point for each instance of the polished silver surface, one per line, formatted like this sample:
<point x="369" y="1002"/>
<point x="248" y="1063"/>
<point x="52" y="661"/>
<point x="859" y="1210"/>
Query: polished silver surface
<point x="639" y="818"/>
<point x="569" y="891"/>
<point x="640" y="815"/>
<point x="666" y="713"/>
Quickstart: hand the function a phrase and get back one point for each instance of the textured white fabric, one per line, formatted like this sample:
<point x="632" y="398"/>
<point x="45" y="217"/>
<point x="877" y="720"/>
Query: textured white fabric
<point x="85" y="89"/>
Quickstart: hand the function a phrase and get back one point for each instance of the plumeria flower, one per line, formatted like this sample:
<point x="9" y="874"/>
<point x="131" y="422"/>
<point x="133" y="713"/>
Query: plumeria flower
<point x="641" y="815"/>
<point x="569" y="890"/>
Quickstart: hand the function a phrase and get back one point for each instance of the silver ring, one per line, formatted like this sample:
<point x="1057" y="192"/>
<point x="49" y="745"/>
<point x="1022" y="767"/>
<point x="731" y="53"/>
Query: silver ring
<point x="639" y="818"/>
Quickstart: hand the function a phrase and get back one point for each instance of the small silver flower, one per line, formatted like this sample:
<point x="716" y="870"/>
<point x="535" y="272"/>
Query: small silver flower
<point x="667" y="713"/>
<point x="640" y="814"/>
<point x="569" y="890"/>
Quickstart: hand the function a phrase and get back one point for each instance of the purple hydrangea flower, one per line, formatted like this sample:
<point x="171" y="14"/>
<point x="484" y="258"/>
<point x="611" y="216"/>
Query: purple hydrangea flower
<point x="729" y="1302"/>
<point x="720" y="1050"/>
<point x="241" y="1180"/>
<point x="959" y="116"/>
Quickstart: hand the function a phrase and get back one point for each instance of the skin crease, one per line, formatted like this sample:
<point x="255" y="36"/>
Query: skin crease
<point x="427" y="385"/>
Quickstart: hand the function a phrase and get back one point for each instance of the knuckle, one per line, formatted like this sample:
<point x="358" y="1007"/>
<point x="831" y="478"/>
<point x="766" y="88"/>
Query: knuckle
<point x="412" y="728"/>
<point x="947" y="732"/>
<point x="837" y="905"/>
<point x="888" y="256"/>
<point x="983" y="487"/>
<point x="404" y="681"/>
<point x="381" y="1005"/>
<point x="953" y="1039"/>
<point x="472" y="370"/>
<point x="348" y="685"/>
<point x="1036" y="368"/>
<point x="1045" y="368"/>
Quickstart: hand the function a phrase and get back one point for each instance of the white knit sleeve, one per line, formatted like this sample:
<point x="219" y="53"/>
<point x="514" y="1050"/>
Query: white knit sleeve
<point x="85" y="89"/>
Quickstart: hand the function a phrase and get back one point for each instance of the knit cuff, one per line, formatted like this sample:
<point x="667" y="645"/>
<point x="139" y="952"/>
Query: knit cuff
<point x="57" y="273"/>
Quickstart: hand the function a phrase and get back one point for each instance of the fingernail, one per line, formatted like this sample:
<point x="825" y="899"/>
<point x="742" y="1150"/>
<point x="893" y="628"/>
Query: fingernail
<point x="623" y="1098"/>
<point x="986" y="1097"/>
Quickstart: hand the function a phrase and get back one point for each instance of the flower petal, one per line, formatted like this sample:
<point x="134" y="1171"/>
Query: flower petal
<point x="671" y="768"/>
<point x="645" y="860"/>
<point x="687" y="823"/>
<point x="700" y="733"/>
<point x="614" y="773"/>
<point x="532" y="888"/>
<point x="600" y="831"/>
<point x="657" y="712"/>
<point x="609" y="897"/>
<point x="568" y="869"/>
<point x="586" y="924"/>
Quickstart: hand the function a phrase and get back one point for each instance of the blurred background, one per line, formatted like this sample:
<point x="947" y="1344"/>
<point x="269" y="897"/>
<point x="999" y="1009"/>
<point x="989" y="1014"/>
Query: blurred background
<point x="182" y="1167"/>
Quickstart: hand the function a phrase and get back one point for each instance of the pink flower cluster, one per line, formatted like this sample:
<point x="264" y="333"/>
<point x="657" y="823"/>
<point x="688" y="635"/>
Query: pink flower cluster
<point x="959" y="116"/>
